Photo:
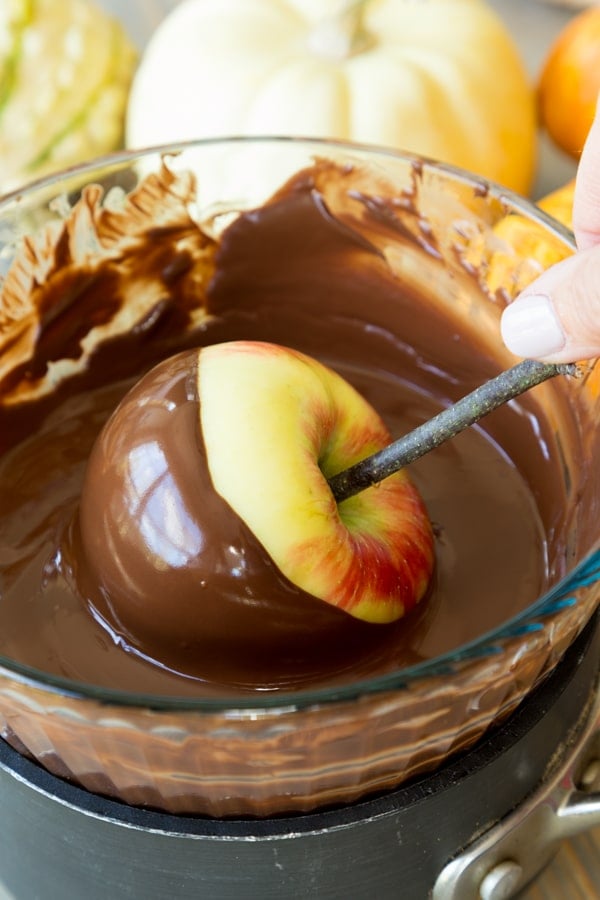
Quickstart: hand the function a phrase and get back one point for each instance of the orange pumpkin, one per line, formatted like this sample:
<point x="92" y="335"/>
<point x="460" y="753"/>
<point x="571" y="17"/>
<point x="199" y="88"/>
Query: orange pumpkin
<point x="560" y="203"/>
<point x="570" y="81"/>
<point x="525" y="248"/>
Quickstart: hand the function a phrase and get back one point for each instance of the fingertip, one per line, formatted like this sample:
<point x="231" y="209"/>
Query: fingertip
<point x="586" y="204"/>
<point x="531" y="328"/>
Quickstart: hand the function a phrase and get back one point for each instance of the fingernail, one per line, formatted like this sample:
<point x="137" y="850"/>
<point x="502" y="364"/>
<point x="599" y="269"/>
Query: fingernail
<point x="530" y="327"/>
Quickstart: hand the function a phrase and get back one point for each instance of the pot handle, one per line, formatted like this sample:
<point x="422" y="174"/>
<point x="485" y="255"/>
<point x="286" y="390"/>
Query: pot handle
<point x="505" y="859"/>
<point x="582" y="809"/>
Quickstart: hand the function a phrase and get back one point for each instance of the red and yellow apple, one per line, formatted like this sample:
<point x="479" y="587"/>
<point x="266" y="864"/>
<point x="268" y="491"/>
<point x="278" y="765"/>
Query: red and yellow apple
<point x="276" y="424"/>
<point x="216" y="463"/>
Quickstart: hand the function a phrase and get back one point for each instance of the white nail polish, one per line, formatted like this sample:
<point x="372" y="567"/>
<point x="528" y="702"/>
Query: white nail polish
<point x="529" y="327"/>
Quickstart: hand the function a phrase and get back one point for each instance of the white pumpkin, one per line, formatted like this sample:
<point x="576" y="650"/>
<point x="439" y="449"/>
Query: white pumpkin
<point x="65" y="71"/>
<point x="441" y="78"/>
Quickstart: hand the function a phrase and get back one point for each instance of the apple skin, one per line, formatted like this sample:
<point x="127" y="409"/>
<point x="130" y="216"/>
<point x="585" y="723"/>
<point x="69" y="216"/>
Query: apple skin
<point x="276" y="424"/>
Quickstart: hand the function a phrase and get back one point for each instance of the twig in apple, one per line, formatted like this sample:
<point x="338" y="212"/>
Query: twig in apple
<point x="445" y="425"/>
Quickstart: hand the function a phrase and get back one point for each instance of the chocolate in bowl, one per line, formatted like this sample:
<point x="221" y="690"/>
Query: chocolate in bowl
<point x="384" y="267"/>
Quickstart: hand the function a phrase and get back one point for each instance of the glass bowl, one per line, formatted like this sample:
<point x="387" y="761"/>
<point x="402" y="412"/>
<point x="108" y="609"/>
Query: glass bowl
<point x="467" y="247"/>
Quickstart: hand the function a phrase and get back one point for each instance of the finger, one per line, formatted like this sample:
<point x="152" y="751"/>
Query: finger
<point x="557" y="318"/>
<point x="586" y="204"/>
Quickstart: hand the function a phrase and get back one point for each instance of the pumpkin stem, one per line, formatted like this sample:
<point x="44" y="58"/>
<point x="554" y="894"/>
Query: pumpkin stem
<point x="342" y="35"/>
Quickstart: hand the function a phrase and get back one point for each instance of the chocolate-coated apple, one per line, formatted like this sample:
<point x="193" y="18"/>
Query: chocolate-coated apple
<point x="207" y="490"/>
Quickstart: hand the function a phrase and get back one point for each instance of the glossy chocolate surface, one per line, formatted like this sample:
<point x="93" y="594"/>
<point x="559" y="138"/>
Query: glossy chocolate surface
<point x="296" y="273"/>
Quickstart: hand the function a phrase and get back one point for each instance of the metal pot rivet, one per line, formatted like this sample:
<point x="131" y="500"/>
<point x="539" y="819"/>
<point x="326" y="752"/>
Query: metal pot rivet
<point x="591" y="775"/>
<point x="501" y="882"/>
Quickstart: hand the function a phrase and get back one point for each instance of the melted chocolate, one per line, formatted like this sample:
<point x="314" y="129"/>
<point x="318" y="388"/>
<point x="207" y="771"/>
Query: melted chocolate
<point x="297" y="274"/>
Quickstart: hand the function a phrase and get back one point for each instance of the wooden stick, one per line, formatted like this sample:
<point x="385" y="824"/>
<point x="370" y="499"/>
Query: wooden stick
<point x="444" y="426"/>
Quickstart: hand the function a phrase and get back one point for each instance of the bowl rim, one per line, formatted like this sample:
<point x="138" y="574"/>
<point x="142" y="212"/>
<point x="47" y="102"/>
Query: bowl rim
<point x="585" y="572"/>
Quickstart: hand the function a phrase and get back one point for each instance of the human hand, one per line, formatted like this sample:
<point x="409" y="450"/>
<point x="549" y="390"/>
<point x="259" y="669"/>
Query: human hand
<point x="557" y="317"/>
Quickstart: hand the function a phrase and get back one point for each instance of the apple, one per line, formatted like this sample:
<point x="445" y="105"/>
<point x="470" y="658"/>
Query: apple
<point x="276" y="424"/>
<point x="206" y="513"/>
